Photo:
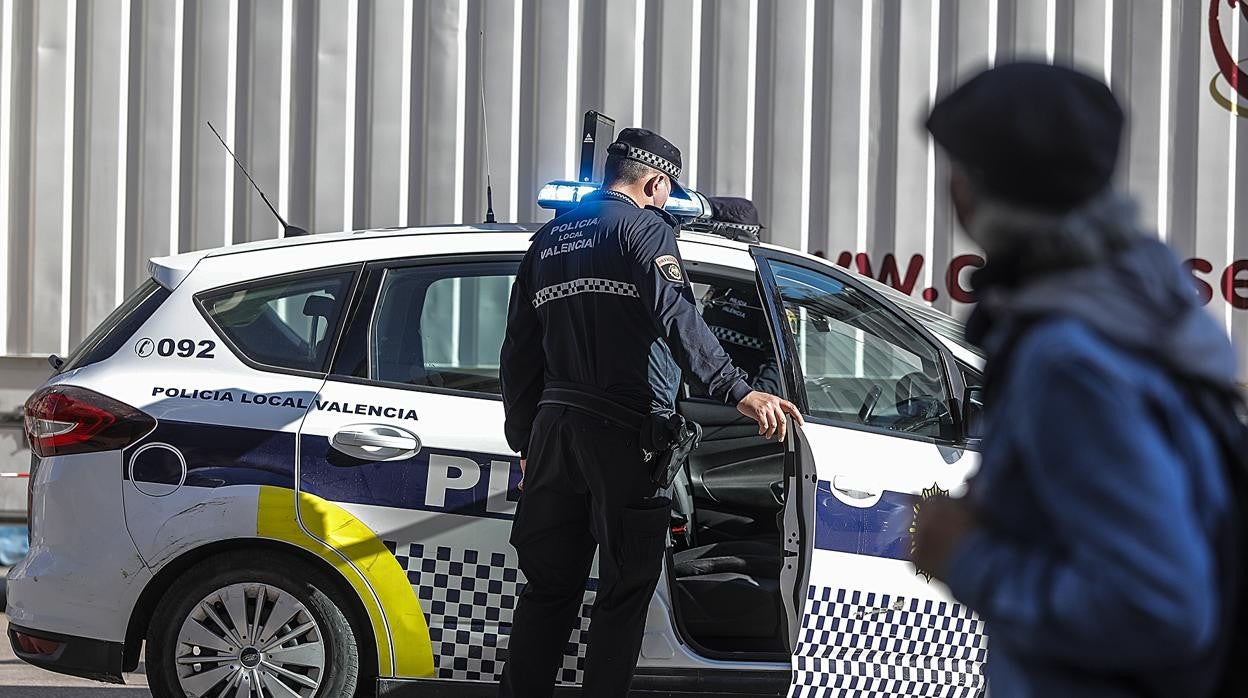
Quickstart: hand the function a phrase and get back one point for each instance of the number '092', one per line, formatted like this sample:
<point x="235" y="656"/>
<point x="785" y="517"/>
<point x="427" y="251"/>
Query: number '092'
<point x="186" y="348"/>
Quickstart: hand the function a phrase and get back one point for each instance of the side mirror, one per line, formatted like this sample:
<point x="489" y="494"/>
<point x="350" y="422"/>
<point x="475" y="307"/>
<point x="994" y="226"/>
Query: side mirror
<point x="973" y="413"/>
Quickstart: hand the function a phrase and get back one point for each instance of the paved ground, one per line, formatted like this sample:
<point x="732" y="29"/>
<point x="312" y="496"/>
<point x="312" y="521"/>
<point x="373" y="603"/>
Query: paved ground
<point x="21" y="680"/>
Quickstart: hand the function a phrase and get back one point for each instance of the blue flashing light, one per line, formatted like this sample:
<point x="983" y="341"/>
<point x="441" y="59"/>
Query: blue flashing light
<point x="692" y="205"/>
<point x="564" y="194"/>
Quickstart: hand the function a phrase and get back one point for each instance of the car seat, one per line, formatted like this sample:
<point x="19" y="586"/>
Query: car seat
<point x="728" y="595"/>
<point x="727" y="582"/>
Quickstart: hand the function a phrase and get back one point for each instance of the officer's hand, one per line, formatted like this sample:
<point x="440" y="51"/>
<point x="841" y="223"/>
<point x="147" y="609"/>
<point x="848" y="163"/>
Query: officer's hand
<point x="769" y="411"/>
<point x="523" y="462"/>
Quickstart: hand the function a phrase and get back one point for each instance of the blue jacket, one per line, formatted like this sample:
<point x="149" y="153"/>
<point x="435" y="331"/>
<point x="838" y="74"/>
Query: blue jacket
<point x="1101" y="492"/>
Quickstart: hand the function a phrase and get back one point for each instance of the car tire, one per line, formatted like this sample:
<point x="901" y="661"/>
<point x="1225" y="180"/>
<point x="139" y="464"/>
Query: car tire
<point x="195" y="618"/>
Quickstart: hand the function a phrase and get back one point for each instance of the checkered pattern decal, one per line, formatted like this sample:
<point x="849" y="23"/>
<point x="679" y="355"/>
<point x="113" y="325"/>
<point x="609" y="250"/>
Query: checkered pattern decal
<point x="734" y="337"/>
<point x="571" y="288"/>
<point x="654" y="160"/>
<point x="855" y="644"/>
<point x="468" y="597"/>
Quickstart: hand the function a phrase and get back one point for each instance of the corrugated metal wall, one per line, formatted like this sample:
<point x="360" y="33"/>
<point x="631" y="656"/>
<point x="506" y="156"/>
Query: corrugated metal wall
<point x="369" y="113"/>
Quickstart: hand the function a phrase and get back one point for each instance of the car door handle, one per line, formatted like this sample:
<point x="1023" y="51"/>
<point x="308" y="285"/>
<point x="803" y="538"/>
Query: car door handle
<point x="855" y="488"/>
<point x="376" y="442"/>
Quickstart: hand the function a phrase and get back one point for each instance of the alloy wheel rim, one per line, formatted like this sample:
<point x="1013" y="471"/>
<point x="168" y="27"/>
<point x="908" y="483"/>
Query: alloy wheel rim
<point x="250" y="640"/>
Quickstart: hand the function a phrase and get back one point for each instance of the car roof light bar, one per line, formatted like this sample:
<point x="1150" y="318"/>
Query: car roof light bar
<point x="563" y="195"/>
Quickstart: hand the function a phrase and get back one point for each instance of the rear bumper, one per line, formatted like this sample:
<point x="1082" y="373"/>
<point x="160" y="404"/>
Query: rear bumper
<point x="77" y="656"/>
<point x="83" y="573"/>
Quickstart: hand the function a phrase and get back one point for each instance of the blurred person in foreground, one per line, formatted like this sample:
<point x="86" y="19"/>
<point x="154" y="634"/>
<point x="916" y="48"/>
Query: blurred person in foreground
<point x="1092" y="541"/>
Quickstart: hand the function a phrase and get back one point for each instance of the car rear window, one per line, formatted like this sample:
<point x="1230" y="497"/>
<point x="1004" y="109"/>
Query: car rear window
<point x="287" y="322"/>
<point x="119" y="326"/>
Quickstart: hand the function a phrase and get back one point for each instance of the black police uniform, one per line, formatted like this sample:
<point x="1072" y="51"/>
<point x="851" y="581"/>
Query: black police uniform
<point x="601" y="304"/>
<point x="735" y="314"/>
<point x="737" y="320"/>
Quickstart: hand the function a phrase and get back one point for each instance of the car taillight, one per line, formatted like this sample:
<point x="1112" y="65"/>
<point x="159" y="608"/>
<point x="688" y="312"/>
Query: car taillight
<point x="61" y="420"/>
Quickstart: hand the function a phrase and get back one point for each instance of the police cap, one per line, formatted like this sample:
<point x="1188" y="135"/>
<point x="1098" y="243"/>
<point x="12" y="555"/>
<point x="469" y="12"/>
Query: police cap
<point x="649" y="148"/>
<point x="1037" y="135"/>
<point x="734" y="209"/>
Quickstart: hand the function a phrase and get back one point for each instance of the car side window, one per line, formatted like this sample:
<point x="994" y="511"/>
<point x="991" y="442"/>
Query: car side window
<point x="862" y="364"/>
<point x="441" y="326"/>
<point x="285" y="322"/>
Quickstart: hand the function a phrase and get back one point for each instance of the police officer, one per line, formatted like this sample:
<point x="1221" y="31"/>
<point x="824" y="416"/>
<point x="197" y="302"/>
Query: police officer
<point x="735" y="315"/>
<point x="602" y="322"/>
<point x="738" y="322"/>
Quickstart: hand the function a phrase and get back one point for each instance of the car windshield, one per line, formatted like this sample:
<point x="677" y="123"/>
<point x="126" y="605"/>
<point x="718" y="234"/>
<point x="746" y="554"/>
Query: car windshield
<point x="940" y="324"/>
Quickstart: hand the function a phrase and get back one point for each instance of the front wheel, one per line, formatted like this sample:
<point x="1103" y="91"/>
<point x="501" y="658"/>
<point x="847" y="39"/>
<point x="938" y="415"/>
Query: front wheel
<point x="229" y="627"/>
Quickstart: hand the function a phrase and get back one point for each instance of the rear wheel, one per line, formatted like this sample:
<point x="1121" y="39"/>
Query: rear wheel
<point x="230" y="627"/>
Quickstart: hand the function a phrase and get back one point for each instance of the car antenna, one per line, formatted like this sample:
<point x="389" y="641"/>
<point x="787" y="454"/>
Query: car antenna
<point x="485" y="132"/>
<point x="288" y="230"/>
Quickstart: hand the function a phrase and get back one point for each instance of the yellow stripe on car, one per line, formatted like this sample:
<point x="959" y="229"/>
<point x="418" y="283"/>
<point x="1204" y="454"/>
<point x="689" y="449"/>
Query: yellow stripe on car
<point x="334" y="535"/>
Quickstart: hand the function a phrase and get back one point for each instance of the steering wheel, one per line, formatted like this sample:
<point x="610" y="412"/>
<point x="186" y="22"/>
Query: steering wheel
<point x="869" y="403"/>
<point x="933" y="412"/>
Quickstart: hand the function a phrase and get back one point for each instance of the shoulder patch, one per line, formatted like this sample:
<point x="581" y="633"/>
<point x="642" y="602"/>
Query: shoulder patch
<point x="669" y="267"/>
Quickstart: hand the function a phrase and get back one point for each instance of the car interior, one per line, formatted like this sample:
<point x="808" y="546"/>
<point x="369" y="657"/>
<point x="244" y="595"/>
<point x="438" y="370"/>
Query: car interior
<point x="285" y="323"/>
<point x="417" y="353"/>
<point x="861" y="366"/>
<point x="727" y="530"/>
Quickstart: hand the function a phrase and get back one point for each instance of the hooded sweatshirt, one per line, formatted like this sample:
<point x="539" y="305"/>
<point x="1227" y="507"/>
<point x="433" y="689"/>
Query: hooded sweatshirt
<point x="1101" y="496"/>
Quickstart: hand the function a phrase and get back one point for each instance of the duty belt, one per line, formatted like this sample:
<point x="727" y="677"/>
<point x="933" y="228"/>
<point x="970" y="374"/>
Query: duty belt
<point x="581" y="398"/>
<point x="666" y="439"/>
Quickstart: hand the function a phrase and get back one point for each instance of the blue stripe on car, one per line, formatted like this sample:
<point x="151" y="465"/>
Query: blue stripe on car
<point x="881" y="530"/>
<point x="217" y="455"/>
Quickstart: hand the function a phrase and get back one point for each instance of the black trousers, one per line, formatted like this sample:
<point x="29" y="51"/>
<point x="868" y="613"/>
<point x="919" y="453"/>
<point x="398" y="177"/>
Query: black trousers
<point x="585" y="488"/>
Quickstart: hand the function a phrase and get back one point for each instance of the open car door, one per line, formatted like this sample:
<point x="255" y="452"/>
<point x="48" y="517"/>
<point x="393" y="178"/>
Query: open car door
<point x="881" y="434"/>
<point x="729" y="544"/>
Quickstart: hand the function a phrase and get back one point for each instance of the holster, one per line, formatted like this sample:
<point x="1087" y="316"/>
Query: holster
<point x="666" y="439"/>
<point x="670" y="438"/>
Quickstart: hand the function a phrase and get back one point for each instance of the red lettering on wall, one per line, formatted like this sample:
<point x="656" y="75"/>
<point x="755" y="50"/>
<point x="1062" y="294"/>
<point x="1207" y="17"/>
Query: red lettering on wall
<point x="953" y="276"/>
<point x="1231" y="283"/>
<point x="889" y="273"/>
<point x="1203" y="289"/>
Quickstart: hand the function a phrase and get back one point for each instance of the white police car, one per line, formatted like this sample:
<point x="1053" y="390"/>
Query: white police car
<point x="282" y="466"/>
